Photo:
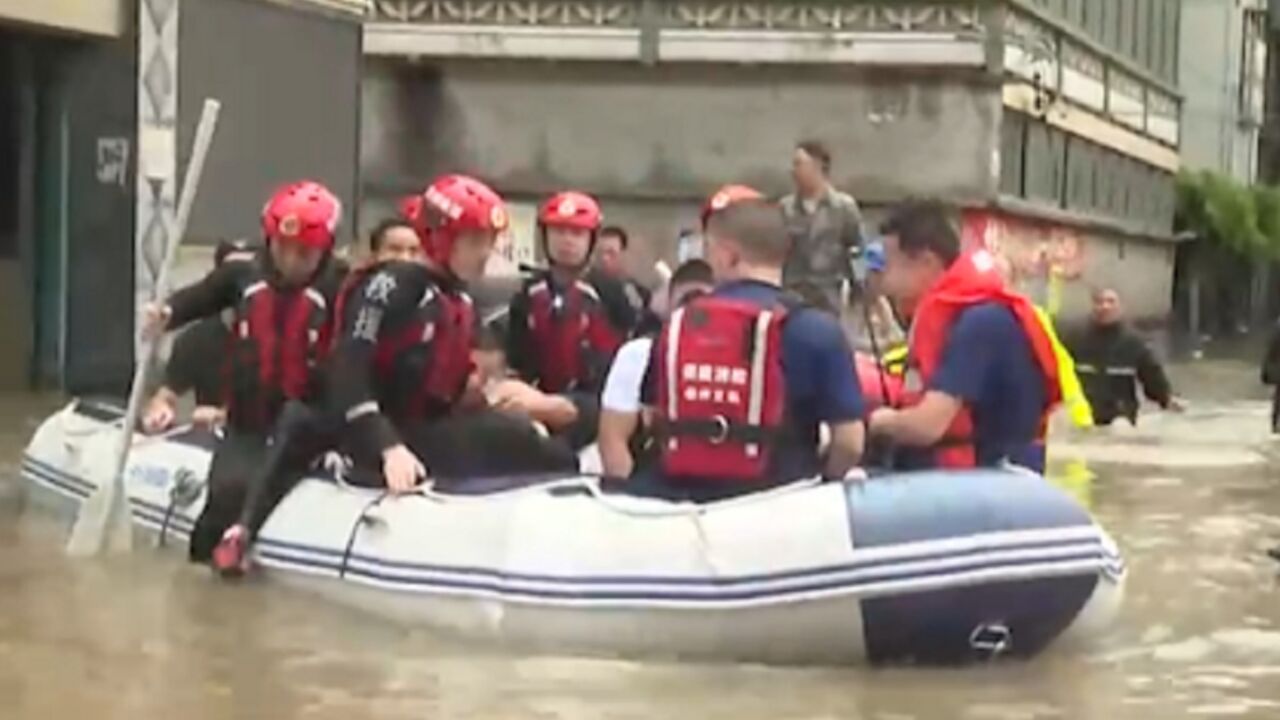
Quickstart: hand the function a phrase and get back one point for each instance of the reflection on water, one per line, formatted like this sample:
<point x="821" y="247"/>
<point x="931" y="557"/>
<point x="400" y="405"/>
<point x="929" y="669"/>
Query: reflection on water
<point x="1190" y="498"/>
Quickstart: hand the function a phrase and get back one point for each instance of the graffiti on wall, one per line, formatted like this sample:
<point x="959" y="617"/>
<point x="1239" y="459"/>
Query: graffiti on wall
<point x="1038" y="258"/>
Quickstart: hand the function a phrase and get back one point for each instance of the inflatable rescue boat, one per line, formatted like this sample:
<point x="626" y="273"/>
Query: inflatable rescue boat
<point x="929" y="567"/>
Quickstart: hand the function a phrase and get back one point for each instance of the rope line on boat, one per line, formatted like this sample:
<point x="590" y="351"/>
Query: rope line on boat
<point x="364" y="518"/>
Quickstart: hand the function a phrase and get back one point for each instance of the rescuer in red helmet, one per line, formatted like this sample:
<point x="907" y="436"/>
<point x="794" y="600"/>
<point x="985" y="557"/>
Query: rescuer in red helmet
<point x="398" y="371"/>
<point x="280" y="299"/>
<point x="560" y="337"/>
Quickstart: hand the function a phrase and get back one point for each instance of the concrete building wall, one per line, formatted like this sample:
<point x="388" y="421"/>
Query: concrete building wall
<point x="675" y="132"/>
<point x="104" y="18"/>
<point x="1217" y="133"/>
<point x="101" y="118"/>
<point x="290" y="106"/>
<point x="1058" y="263"/>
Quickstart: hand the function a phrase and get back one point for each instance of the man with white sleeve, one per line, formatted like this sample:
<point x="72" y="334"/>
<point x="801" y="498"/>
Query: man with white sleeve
<point x="621" y="433"/>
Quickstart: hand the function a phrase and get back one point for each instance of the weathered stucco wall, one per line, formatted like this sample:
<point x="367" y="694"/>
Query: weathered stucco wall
<point x="288" y="86"/>
<point x="651" y="142"/>
<point x="673" y="131"/>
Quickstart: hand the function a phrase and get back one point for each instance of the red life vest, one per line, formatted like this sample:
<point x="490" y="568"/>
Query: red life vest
<point x="972" y="279"/>
<point x="430" y="355"/>
<point x="278" y="338"/>
<point x="721" y="394"/>
<point x="572" y="337"/>
<point x="435" y="348"/>
<point x="878" y="384"/>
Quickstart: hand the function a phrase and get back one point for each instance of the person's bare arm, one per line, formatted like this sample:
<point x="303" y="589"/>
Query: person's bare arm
<point x="616" y="429"/>
<point x="161" y="410"/>
<point x="921" y="425"/>
<point x="845" y="451"/>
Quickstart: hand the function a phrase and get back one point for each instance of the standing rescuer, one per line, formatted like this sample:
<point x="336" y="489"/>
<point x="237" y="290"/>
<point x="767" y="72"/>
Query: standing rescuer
<point x="982" y="374"/>
<point x="281" y="299"/>
<point x="559" y="335"/>
<point x="1112" y="361"/>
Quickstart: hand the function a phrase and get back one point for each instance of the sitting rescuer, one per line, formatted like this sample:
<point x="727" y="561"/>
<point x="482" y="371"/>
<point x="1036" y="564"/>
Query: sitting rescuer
<point x="280" y="298"/>
<point x="623" y="426"/>
<point x="740" y="379"/>
<point x="982" y="374"/>
<point x="189" y="368"/>
<point x="398" y="372"/>
<point x="559" y="335"/>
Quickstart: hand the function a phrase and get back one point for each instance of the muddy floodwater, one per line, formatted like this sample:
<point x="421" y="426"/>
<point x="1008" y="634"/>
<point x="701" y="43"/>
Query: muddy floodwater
<point x="1192" y="499"/>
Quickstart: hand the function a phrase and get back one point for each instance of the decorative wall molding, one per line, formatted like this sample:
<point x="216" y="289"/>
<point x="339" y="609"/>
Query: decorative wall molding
<point x="765" y="31"/>
<point x="157" y="138"/>
<point x="553" y="13"/>
<point x="812" y="16"/>
<point x="824" y="16"/>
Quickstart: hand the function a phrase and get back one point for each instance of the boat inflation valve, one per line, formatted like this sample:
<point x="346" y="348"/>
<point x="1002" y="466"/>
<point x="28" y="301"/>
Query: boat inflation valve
<point x="991" y="640"/>
<point x="183" y="492"/>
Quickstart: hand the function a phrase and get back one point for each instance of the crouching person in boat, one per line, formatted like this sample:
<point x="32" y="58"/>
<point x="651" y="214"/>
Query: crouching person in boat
<point x="741" y="379"/>
<point x="982" y="374"/>
<point x="399" y="373"/>
<point x="280" y="298"/>
<point x="560" y="335"/>
<point x="624" y="426"/>
<point x="190" y="368"/>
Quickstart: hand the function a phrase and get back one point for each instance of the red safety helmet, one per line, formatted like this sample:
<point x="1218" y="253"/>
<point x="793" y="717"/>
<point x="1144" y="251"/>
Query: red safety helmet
<point x="726" y="196"/>
<point x="304" y="212"/>
<point x="450" y="205"/>
<point x="571" y="209"/>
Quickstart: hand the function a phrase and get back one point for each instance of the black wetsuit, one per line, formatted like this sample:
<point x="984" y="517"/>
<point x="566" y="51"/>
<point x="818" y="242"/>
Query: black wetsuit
<point x="451" y="445"/>
<point x="252" y="407"/>
<point x="523" y="351"/>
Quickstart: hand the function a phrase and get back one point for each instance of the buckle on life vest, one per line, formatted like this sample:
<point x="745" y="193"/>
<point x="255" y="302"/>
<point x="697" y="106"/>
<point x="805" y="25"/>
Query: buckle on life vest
<point x="720" y="434"/>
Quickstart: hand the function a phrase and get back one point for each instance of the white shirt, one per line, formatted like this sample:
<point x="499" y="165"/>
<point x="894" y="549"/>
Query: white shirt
<point x="622" y="387"/>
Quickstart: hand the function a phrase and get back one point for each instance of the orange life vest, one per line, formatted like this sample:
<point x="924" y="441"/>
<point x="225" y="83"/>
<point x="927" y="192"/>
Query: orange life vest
<point x="971" y="280"/>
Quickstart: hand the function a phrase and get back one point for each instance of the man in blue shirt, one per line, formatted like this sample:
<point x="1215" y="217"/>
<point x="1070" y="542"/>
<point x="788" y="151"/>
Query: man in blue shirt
<point x="982" y="373"/>
<point x="741" y="380"/>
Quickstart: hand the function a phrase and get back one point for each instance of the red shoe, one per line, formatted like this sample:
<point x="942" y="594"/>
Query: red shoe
<point x="231" y="557"/>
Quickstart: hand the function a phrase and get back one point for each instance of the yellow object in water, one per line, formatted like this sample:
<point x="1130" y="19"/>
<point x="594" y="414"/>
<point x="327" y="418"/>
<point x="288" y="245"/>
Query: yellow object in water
<point x="1073" y="397"/>
<point x="1074" y="477"/>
